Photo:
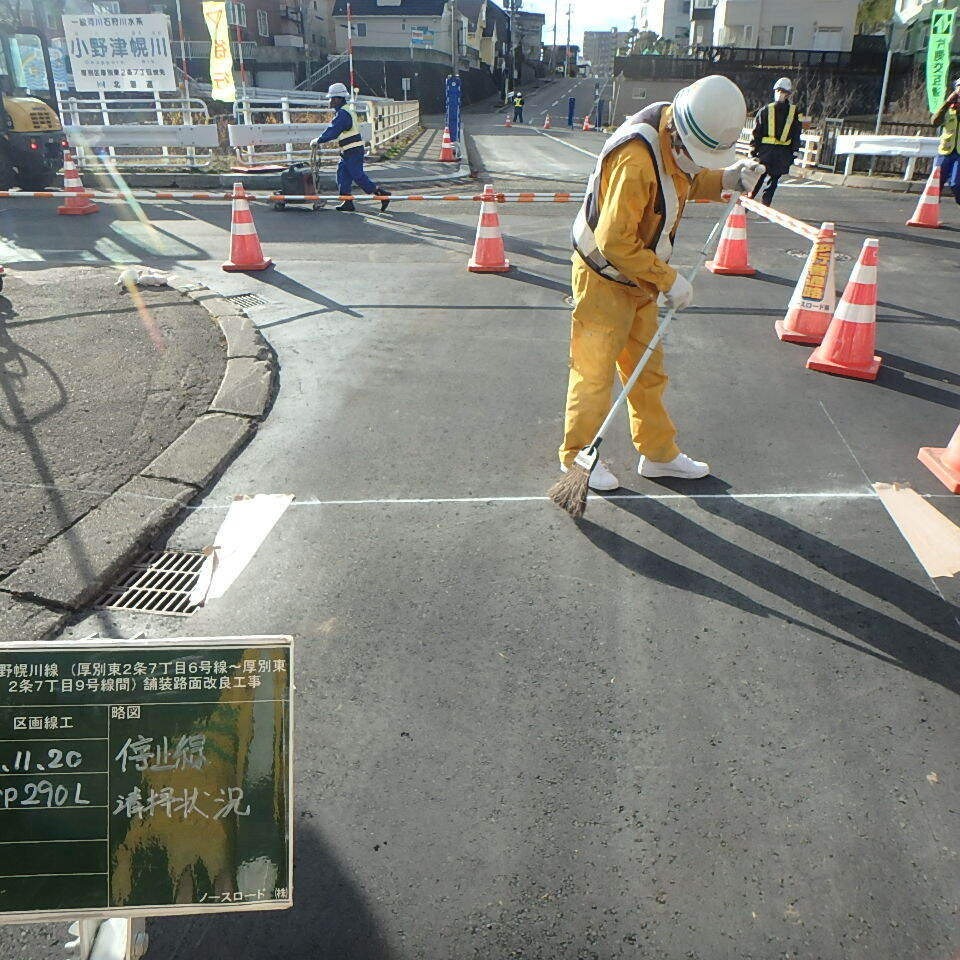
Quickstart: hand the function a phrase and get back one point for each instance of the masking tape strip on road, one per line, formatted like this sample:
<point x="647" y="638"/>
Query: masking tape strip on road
<point x="775" y="216"/>
<point x="306" y="198"/>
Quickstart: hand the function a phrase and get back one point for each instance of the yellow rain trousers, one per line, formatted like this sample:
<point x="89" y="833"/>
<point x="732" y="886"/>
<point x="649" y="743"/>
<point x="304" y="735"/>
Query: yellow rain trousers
<point x="612" y="322"/>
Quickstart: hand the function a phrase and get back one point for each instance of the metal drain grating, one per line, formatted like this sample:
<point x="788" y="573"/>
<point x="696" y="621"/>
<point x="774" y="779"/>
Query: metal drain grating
<point x="160" y="582"/>
<point x="247" y="300"/>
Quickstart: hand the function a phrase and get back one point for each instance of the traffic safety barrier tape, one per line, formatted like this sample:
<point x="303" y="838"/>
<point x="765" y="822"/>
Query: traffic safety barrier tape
<point x="274" y="197"/>
<point x="784" y="220"/>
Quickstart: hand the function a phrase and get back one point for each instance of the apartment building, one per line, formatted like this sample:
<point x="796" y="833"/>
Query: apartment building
<point x="528" y="34"/>
<point x="669" y="19"/>
<point x="771" y="24"/>
<point x="600" y="47"/>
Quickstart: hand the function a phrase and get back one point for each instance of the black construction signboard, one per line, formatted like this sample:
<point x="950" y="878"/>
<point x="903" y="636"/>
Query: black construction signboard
<point x="145" y="777"/>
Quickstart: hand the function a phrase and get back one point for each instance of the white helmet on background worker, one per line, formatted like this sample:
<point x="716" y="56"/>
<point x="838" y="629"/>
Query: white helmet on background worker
<point x="709" y="116"/>
<point x="338" y="90"/>
<point x="783" y="84"/>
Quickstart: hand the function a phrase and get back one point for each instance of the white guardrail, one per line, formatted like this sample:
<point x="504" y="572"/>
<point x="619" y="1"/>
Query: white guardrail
<point x="875" y="145"/>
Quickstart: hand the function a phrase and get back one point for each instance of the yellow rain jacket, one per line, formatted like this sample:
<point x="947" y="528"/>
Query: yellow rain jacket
<point x="612" y="321"/>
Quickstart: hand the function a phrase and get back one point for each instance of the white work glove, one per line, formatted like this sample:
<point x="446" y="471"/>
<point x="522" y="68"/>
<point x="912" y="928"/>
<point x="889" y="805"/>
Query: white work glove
<point x="743" y="175"/>
<point x="680" y="295"/>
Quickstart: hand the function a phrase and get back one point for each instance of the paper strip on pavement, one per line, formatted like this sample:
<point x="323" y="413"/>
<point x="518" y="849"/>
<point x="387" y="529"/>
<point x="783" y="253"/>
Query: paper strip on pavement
<point x="247" y="524"/>
<point x="934" y="538"/>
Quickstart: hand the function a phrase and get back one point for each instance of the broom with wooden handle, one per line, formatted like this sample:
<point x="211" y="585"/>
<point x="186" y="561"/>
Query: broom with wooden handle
<point x="570" y="492"/>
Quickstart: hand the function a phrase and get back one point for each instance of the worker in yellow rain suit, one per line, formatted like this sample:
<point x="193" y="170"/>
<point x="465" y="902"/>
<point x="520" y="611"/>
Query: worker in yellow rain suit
<point x="623" y="237"/>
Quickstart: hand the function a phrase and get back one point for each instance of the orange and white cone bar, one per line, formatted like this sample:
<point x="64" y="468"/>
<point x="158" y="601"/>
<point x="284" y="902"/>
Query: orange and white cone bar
<point x="75" y="206"/>
<point x="546" y="123"/>
<point x="944" y="462"/>
<point x="847" y="348"/>
<point x="447" y="154"/>
<point x="732" y="258"/>
<point x="814" y="298"/>
<point x="488" y="253"/>
<point x="927" y="213"/>
<point x="245" y="251"/>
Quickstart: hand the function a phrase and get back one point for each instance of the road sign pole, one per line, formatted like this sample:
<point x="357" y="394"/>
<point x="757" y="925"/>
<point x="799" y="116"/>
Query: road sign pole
<point x="571" y="110"/>
<point x="453" y="107"/>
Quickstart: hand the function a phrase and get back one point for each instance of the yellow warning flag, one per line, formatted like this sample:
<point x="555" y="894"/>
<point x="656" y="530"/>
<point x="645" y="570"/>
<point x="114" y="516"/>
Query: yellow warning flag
<point x="221" y="59"/>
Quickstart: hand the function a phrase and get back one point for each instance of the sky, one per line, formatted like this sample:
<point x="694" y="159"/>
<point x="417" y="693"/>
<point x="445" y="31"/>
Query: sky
<point x="587" y="15"/>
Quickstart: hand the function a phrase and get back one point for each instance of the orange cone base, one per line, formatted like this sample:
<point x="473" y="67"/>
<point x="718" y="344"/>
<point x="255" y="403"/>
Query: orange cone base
<point x="792" y="336"/>
<point x="232" y="267"/>
<point x="868" y="372"/>
<point x="79" y="210"/>
<point x="918" y="223"/>
<point x="932" y="459"/>
<point x="730" y="271"/>
<point x="475" y="267"/>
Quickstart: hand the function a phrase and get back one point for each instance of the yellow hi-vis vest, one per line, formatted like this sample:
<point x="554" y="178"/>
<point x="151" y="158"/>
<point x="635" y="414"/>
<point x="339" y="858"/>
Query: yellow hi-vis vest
<point x="949" y="134"/>
<point x="518" y="100"/>
<point x="350" y="138"/>
<point x="784" y="139"/>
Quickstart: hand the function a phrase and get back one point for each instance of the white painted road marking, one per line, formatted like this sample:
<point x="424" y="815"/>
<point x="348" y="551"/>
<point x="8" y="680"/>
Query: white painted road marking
<point x="564" y="142"/>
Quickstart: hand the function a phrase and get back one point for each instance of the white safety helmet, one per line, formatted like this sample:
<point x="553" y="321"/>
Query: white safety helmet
<point x="783" y="84"/>
<point x="338" y="90"/>
<point x="709" y="116"/>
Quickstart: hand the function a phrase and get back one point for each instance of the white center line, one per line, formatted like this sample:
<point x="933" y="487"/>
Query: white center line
<point x="564" y="142"/>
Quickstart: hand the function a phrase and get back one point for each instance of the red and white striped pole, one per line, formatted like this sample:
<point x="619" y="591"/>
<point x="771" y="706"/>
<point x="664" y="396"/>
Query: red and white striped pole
<point x="350" y="52"/>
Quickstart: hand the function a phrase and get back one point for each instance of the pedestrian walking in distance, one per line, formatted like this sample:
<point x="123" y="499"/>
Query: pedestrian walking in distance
<point x="776" y="138"/>
<point x="949" y="150"/>
<point x="345" y="129"/>
<point x="655" y="162"/>
<point x="518" y="102"/>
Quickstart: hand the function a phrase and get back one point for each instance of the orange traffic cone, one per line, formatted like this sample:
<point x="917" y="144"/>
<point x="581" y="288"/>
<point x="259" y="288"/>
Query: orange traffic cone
<point x="488" y="253"/>
<point x="446" y="150"/>
<point x="944" y="462"/>
<point x="508" y="122"/>
<point x="586" y="122"/>
<point x="927" y="213"/>
<point x="815" y="296"/>
<point x="546" y="123"/>
<point x="74" y="206"/>
<point x="245" y="251"/>
<point x="733" y="252"/>
<point x="847" y="347"/>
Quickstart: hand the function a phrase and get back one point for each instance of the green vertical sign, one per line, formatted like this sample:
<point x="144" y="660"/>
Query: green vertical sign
<point x="938" y="57"/>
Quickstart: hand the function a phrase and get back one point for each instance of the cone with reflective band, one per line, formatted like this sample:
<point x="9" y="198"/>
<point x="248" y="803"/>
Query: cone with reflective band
<point x="245" y="251"/>
<point x="586" y="123"/>
<point x="927" y="213"/>
<point x="944" y="462"/>
<point x="814" y="299"/>
<point x="508" y="122"/>
<point x="446" y="150"/>
<point x="733" y="253"/>
<point x="74" y="206"/>
<point x="488" y="253"/>
<point x="546" y="123"/>
<point x="847" y="348"/>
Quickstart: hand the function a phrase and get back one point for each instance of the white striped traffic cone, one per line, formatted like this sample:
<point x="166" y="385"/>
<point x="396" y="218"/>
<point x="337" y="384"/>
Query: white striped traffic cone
<point x="74" y="206"/>
<point x="733" y="252"/>
<point x="944" y="462"/>
<point x="508" y="122"/>
<point x="814" y="298"/>
<point x="546" y="123"/>
<point x="245" y="251"/>
<point x="847" y="347"/>
<point x="446" y="150"/>
<point x="488" y="253"/>
<point x="927" y="213"/>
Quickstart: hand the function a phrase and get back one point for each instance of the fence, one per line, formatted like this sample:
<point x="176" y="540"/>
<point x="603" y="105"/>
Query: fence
<point x="152" y="130"/>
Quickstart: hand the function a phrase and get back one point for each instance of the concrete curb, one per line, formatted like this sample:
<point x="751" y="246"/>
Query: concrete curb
<point x="861" y="181"/>
<point x="48" y="589"/>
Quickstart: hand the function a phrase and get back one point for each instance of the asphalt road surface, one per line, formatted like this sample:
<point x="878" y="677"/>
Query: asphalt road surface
<point x="701" y="724"/>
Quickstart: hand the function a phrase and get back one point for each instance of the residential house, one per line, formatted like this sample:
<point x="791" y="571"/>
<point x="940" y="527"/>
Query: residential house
<point x="911" y="24"/>
<point x="528" y="34"/>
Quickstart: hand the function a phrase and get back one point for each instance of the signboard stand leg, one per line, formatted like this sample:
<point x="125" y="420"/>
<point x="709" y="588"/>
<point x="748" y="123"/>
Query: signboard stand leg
<point x="116" y="938"/>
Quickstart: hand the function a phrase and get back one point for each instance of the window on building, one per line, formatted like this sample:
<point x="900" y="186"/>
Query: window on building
<point x="107" y="6"/>
<point x="781" y="37"/>
<point x="359" y="29"/>
<point x="684" y="6"/>
<point x="263" y="23"/>
<point x="236" y="14"/>
<point x="323" y="41"/>
<point x="748" y="33"/>
<point x="158" y="8"/>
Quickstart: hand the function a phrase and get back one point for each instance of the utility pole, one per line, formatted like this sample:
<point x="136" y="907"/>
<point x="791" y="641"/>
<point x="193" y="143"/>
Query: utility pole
<point x="553" y="55"/>
<point x="566" y="59"/>
<point x="454" y="39"/>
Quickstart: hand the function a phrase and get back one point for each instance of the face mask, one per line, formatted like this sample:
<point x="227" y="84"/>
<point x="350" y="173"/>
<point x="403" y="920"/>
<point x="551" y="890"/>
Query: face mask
<point x="685" y="163"/>
<point x="782" y="96"/>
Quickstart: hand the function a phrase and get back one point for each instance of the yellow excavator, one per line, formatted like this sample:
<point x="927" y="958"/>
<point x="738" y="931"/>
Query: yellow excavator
<point x="31" y="136"/>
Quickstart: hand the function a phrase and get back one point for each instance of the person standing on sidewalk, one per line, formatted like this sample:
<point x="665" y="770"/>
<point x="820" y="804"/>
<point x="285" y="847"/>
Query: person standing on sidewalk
<point x="948" y="158"/>
<point x="518" y="102"/>
<point x="623" y="237"/>
<point x="345" y="129"/>
<point x="776" y="138"/>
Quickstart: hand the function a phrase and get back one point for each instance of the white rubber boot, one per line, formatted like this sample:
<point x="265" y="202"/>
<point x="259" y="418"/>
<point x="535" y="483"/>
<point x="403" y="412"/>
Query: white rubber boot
<point x="680" y="466"/>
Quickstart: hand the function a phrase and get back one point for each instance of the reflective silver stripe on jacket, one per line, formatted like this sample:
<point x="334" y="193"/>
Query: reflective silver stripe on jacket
<point x="644" y="126"/>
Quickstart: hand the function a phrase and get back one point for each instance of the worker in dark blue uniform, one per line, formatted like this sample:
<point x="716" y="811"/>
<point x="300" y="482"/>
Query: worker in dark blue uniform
<point x="345" y="130"/>
<point x="518" y="102"/>
<point x="777" y="129"/>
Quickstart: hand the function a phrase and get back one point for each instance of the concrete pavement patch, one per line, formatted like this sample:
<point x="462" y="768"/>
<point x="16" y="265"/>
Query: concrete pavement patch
<point x="246" y="388"/>
<point x="197" y="455"/>
<point x="73" y="568"/>
<point x="26" y="620"/>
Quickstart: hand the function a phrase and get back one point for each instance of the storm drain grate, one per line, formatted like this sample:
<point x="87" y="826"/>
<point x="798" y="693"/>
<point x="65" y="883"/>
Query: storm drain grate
<point x="247" y="300"/>
<point x="160" y="582"/>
